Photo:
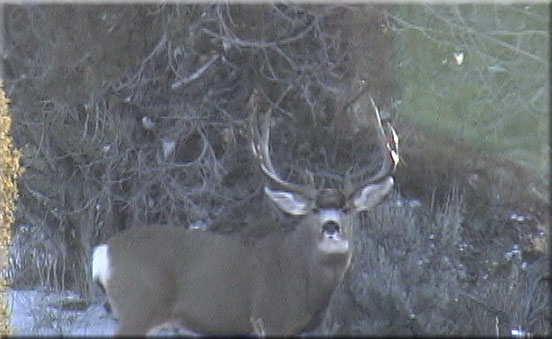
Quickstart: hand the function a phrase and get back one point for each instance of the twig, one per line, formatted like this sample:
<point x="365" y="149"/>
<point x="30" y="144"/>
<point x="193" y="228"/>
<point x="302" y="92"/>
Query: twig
<point x="196" y="74"/>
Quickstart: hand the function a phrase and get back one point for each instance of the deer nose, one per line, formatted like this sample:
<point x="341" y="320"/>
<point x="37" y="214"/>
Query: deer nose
<point x="330" y="227"/>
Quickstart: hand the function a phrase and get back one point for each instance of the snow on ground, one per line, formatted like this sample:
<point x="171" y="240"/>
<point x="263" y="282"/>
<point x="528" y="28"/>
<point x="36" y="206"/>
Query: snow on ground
<point x="45" y="313"/>
<point x="35" y="313"/>
<point x="39" y="312"/>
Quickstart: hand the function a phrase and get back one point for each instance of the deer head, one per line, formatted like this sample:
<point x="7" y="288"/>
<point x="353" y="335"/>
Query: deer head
<point x="331" y="211"/>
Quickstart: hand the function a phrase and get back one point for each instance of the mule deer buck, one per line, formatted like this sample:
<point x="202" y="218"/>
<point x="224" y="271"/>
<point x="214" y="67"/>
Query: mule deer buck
<point x="211" y="283"/>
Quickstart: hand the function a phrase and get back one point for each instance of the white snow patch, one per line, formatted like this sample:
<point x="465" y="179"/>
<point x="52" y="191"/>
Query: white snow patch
<point x="41" y="313"/>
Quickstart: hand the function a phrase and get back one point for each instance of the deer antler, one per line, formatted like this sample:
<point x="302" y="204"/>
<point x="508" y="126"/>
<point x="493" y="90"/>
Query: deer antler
<point x="260" y="146"/>
<point x="388" y="143"/>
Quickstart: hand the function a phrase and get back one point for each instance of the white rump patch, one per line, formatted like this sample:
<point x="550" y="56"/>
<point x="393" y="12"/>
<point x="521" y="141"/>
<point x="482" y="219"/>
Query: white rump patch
<point x="101" y="270"/>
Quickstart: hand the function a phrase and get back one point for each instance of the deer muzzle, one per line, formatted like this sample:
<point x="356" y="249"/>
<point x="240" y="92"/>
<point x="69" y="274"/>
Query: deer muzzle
<point x="332" y="237"/>
<point x="330" y="228"/>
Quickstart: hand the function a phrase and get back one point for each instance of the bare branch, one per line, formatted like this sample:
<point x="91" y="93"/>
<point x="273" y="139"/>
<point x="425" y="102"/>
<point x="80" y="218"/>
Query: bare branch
<point x="198" y="73"/>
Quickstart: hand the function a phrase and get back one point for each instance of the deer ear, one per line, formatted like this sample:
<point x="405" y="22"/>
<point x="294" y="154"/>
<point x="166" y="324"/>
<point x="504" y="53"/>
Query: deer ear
<point x="291" y="203"/>
<point x="372" y="194"/>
